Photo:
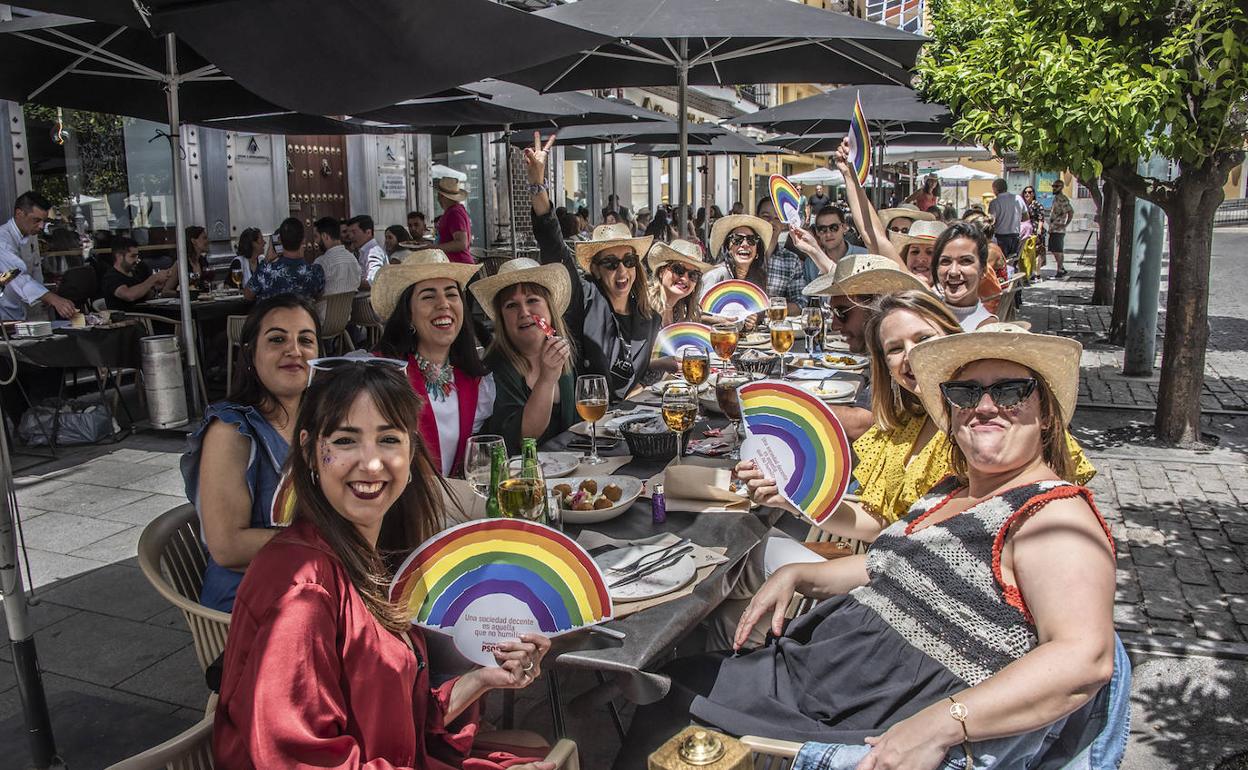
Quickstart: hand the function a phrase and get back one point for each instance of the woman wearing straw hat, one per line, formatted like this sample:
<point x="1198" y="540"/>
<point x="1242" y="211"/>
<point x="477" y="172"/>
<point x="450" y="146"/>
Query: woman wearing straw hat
<point x="980" y="625"/>
<point x="532" y="371"/>
<point x="423" y="304"/>
<point x="454" y="226"/>
<point x="739" y="247"/>
<point x="961" y="258"/>
<point x="916" y="248"/>
<point x="610" y="308"/>
<point x="678" y="269"/>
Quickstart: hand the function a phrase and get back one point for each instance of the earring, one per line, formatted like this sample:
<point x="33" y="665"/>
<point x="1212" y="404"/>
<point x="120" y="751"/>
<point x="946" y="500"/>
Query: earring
<point x="897" y="403"/>
<point x="316" y="477"/>
<point x="410" y="476"/>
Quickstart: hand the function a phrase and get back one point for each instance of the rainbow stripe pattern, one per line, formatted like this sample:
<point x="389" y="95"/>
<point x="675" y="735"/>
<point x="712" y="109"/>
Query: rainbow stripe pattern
<point x="539" y="566"/>
<point x="786" y="199"/>
<point x="734" y="298"/>
<point x="282" y="509"/>
<point x="814" y="435"/>
<point x="859" y="142"/>
<point x="674" y="338"/>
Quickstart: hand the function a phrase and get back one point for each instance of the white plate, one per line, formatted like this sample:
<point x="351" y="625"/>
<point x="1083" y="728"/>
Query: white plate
<point x="831" y="390"/>
<point x="630" y="486"/>
<point x="665" y="581"/>
<point x="860" y="362"/>
<point x="609" y="425"/>
<point x="754" y="340"/>
<point x="556" y="465"/>
<point x="660" y="386"/>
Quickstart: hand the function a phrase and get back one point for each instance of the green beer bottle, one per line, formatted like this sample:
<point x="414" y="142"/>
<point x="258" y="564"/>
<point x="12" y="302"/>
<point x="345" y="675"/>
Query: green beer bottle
<point x="498" y="474"/>
<point x="530" y="468"/>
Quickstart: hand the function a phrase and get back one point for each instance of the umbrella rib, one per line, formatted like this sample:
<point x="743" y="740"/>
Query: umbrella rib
<point x="652" y="56"/>
<point x="65" y="71"/>
<point x="106" y="74"/>
<point x="860" y="62"/>
<point x="876" y="54"/>
<point x="626" y="57"/>
<point x="708" y="51"/>
<point x="97" y="51"/>
<point x="199" y="74"/>
<point x="770" y="46"/>
<point x="584" y="55"/>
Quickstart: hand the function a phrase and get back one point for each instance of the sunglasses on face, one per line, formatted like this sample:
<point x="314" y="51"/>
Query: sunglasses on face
<point x="897" y="229"/>
<point x="835" y="227"/>
<point x="611" y="264"/>
<point x="841" y="314"/>
<point x="736" y="239"/>
<point x="1004" y="393"/>
<point x="680" y="271"/>
<point x="334" y="363"/>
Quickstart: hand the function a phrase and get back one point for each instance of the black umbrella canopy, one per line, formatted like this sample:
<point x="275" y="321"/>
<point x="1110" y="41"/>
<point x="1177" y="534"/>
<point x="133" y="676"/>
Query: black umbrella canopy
<point x="829" y="142"/>
<point x="727" y="144"/>
<point x="895" y="108"/>
<point x="570" y="108"/>
<point x="728" y="42"/>
<point x="664" y="132"/>
<point x="298" y="123"/>
<point x="334" y="57"/>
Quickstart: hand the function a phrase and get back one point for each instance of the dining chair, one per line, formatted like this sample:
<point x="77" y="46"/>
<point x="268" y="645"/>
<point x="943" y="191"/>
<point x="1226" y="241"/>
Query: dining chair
<point x="335" y="315"/>
<point x="234" y="335"/>
<point x="173" y="559"/>
<point x="365" y="317"/>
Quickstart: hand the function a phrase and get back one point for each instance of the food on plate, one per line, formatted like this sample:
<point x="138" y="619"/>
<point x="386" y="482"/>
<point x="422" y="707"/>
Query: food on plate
<point x="590" y="486"/>
<point x="602" y="503"/>
<point x="841" y="360"/>
<point x="586" y="497"/>
<point x="612" y="492"/>
<point x="562" y="490"/>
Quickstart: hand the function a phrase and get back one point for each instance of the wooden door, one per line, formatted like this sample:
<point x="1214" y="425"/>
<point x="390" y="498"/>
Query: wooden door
<point x="316" y="170"/>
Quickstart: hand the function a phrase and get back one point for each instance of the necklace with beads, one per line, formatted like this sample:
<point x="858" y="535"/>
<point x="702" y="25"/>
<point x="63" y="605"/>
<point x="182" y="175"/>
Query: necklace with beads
<point x="439" y="378"/>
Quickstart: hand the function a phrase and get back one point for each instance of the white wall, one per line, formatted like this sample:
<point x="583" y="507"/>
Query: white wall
<point x="259" y="192"/>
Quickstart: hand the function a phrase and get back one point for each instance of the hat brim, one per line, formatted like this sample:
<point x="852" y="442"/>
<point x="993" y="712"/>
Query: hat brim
<point x="888" y="215"/>
<point x="661" y="254"/>
<point x="1055" y="359"/>
<point x="867" y="283"/>
<point x="554" y="278"/>
<point x="585" y="250"/>
<point x="391" y="281"/>
<point x="459" y="196"/>
<point x="725" y="225"/>
<point x="901" y="240"/>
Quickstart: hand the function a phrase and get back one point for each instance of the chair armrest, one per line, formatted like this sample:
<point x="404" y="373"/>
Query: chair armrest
<point x="565" y="756"/>
<point x="179" y="747"/>
<point x="771" y="746"/>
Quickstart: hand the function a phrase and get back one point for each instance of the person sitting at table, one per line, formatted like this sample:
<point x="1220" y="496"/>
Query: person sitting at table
<point x="234" y="459"/>
<point x="196" y="263"/>
<point x="994" y="594"/>
<point x="342" y="271"/>
<point x="417" y="227"/>
<point x="678" y="269"/>
<point x="122" y="286"/>
<point x="397" y="243"/>
<point x="321" y="668"/>
<point x="533" y="375"/>
<point x="287" y="273"/>
<point x="917" y="248"/>
<point x="738" y="246"/>
<point x="610" y="310"/>
<point x="961" y="259"/>
<point x="422" y="300"/>
<point x="250" y="250"/>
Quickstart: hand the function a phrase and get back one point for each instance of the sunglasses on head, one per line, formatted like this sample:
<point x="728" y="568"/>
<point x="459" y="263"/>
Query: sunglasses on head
<point x="680" y="271"/>
<point x="1004" y="393"/>
<point x="835" y="227"/>
<point x="335" y="363"/>
<point x="613" y="263"/>
<point x="736" y="239"/>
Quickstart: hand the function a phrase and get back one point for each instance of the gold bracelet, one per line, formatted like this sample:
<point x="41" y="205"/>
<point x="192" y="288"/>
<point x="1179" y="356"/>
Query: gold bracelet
<point x="959" y="712"/>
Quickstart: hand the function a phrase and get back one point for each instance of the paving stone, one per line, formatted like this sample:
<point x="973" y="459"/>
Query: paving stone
<point x="113" y="590"/>
<point x="1150" y="555"/>
<point x="1204" y="597"/>
<point x="113" y="549"/>
<point x="1161" y="605"/>
<point x="38" y="616"/>
<point x="103" y="472"/>
<point x="175" y="679"/>
<point x="1237" y="533"/>
<point x="1193" y="571"/>
<point x="1233" y="582"/>
<point x="47" y="567"/>
<point x="1185" y="550"/>
<point x="1129" y="617"/>
<point x="1202" y="520"/>
<point x="1153" y="579"/>
<point x="1145" y="536"/>
<point x="84" y="499"/>
<point x="167" y="482"/>
<point x="1219" y="626"/>
<point x="142" y="511"/>
<point x="1238" y="606"/>
<point x="1224" y="560"/>
<point x="1180" y="629"/>
<point x="31" y="487"/>
<point x="164" y="459"/>
<point x="72" y="647"/>
<point x="1212" y="540"/>
<point x="65" y="533"/>
<point x="1128" y="592"/>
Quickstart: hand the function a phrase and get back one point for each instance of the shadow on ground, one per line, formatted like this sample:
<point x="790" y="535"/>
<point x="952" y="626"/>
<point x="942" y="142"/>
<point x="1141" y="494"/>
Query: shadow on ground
<point x="1187" y="713"/>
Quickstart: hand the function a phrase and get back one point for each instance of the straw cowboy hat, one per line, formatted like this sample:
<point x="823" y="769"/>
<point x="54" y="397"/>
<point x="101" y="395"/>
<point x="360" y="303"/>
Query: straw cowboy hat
<point x="554" y="278"/>
<point x="448" y="187"/>
<point x="685" y="252"/>
<point x="922" y="231"/>
<point x="725" y="225"/>
<point x="1054" y="359"/>
<point x="864" y="274"/>
<point x="610" y="236"/>
<point x="907" y="210"/>
<point x="418" y="266"/>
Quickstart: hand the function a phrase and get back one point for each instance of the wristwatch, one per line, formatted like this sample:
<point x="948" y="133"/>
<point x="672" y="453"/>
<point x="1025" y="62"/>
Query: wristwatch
<point x="535" y="188"/>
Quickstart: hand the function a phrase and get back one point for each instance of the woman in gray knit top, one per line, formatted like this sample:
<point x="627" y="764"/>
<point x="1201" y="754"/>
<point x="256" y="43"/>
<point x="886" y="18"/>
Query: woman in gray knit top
<point x="980" y="623"/>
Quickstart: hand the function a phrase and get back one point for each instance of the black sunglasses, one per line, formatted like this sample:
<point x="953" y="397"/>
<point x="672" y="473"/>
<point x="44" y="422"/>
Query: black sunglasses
<point x="680" y="271"/>
<point x="1004" y="393"/>
<point x="898" y="229"/>
<point x="835" y="227"/>
<point x="736" y="239"/>
<point x="613" y="263"/>
<point x="841" y="314"/>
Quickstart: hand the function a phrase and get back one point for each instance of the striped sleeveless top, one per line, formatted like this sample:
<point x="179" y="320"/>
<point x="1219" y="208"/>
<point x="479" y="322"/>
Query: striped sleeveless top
<point x="941" y="587"/>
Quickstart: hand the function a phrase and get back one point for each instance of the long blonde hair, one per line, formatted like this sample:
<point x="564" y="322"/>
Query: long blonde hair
<point x="502" y="345"/>
<point x="890" y="403"/>
<point x="686" y="308"/>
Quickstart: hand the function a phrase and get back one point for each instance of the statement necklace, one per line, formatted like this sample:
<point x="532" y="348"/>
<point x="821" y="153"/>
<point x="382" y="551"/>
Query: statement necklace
<point x="439" y="378"/>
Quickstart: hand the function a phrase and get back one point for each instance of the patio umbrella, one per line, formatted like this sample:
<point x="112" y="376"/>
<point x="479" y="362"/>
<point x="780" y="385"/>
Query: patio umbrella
<point x="960" y="176"/>
<point x="720" y="42"/>
<point x="729" y="143"/>
<point x="889" y="108"/>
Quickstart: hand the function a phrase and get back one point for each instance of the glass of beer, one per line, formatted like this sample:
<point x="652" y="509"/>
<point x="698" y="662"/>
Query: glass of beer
<point x="778" y="310"/>
<point x="591" y="405"/>
<point x="236" y="277"/>
<point x="726" y="396"/>
<point x="724" y="340"/>
<point x="696" y="368"/>
<point x="782" y="340"/>
<point x="812" y="324"/>
<point x="680" y="411"/>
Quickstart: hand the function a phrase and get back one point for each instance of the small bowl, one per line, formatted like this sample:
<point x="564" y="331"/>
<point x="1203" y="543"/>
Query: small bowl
<point x="765" y="365"/>
<point x="650" y="446"/>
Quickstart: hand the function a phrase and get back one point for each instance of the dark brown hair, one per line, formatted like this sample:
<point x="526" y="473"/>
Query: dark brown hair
<point x="247" y="388"/>
<point x="416" y="515"/>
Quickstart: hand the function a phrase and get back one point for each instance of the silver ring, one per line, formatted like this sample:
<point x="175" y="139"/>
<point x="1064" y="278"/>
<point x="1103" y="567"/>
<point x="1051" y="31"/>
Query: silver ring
<point x="528" y="668"/>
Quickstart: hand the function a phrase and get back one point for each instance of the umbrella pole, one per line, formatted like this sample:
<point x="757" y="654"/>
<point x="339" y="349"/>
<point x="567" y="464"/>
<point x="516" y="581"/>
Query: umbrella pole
<point x="613" y="190"/>
<point x="682" y="107"/>
<point x="184" y="289"/>
<point x="511" y="193"/>
<point x="21" y="635"/>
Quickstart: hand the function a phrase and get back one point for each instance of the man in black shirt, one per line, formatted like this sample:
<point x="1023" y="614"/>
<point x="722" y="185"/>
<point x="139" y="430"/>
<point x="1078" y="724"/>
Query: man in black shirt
<point x="816" y="202"/>
<point x="123" y="286"/>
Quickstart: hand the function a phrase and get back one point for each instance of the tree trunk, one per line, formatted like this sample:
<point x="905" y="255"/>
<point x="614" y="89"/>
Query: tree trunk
<point x="1107" y="232"/>
<point x="1198" y="192"/>
<point x="1103" y="274"/>
<point x="1122" y="278"/>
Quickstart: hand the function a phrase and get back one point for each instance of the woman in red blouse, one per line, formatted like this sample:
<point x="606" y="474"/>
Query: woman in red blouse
<point x="321" y="670"/>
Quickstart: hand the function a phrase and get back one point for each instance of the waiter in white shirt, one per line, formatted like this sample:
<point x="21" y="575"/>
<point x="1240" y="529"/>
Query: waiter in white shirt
<point x="30" y="212"/>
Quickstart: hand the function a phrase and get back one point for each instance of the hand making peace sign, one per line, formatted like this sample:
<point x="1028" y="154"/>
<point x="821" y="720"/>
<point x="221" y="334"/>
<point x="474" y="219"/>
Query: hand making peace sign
<point x="535" y="158"/>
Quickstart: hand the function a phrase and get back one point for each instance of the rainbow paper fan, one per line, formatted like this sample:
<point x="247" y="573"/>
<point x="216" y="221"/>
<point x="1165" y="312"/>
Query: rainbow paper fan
<point x="282" y="509"/>
<point x="786" y="199"/>
<point x="734" y="299"/>
<point x="859" y="142"/>
<point x="796" y="440"/>
<point x="673" y="338"/>
<point x="520" y="566"/>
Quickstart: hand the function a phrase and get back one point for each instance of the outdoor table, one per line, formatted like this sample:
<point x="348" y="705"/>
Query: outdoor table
<point x="202" y="310"/>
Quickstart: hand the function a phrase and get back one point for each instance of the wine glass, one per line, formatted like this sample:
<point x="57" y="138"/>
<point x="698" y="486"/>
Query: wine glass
<point x="523" y="494"/>
<point x="477" y="455"/>
<point x="591" y="405"/>
<point x="696" y="368"/>
<point x="782" y="340"/>
<point x="812" y="325"/>
<point x="680" y="411"/>
<point x="724" y="340"/>
<point x="726" y="395"/>
<point x="778" y="309"/>
<point x="236" y="277"/>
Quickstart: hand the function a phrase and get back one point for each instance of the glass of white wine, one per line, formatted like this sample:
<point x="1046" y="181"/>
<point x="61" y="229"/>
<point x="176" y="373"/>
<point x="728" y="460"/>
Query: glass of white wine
<point x="680" y="411"/>
<point x="477" y="454"/>
<point x="591" y="405"/>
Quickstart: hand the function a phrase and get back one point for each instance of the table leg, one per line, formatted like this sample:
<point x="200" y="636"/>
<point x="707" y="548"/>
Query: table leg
<point x="556" y="706"/>
<point x="615" y="712"/>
